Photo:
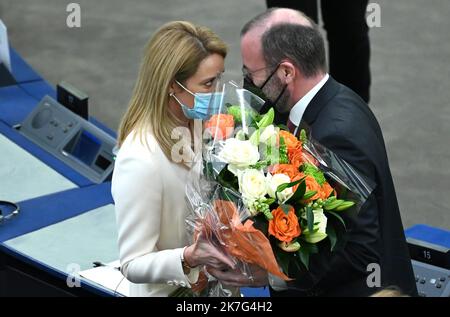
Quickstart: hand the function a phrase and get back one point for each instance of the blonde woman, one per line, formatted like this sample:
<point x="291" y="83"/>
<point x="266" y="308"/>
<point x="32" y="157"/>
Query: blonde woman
<point x="180" y="65"/>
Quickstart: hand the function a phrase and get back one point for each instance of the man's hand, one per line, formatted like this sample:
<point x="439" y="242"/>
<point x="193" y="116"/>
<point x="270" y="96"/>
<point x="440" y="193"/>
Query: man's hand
<point x="203" y="252"/>
<point x="258" y="276"/>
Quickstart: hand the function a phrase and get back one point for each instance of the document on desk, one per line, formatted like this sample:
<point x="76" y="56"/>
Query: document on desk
<point x="109" y="277"/>
<point x="4" y="46"/>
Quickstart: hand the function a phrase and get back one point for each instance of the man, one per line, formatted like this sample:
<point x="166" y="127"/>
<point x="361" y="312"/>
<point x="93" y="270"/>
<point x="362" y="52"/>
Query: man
<point x="347" y="35"/>
<point x="283" y="54"/>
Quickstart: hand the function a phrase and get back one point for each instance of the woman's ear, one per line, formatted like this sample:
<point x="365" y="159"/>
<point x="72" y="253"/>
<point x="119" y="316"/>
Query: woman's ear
<point x="174" y="87"/>
<point x="288" y="71"/>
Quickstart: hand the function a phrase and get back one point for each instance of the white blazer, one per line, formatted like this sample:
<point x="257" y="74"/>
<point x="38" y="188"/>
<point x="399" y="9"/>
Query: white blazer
<point x="149" y="195"/>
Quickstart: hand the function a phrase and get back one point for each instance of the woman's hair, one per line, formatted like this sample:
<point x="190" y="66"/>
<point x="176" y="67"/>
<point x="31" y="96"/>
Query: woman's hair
<point x="390" y="291"/>
<point x="174" y="52"/>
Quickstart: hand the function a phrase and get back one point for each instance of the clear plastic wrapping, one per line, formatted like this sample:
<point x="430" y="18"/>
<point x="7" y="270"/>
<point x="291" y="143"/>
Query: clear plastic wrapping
<point x="262" y="195"/>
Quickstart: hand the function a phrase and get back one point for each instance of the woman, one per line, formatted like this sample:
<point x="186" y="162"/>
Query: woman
<point x="180" y="65"/>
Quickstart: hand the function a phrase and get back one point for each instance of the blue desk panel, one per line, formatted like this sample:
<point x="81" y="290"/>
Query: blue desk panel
<point x="21" y="71"/>
<point x="38" y="89"/>
<point x="429" y="234"/>
<point x="15" y="105"/>
<point x="47" y="210"/>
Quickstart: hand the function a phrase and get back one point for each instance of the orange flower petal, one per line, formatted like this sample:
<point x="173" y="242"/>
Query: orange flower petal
<point x="284" y="227"/>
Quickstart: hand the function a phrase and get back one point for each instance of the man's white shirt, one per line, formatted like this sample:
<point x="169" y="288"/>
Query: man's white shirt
<point x="297" y="111"/>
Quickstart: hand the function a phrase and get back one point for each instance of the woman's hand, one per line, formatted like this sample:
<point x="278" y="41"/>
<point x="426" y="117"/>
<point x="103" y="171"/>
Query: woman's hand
<point x="203" y="252"/>
<point x="235" y="278"/>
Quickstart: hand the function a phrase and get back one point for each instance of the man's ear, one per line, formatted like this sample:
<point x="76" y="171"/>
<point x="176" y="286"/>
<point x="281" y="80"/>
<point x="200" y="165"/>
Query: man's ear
<point x="288" y="71"/>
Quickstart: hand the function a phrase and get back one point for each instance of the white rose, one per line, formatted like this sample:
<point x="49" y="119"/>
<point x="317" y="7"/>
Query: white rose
<point x="276" y="180"/>
<point x="239" y="153"/>
<point x="252" y="185"/>
<point x="319" y="235"/>
<point x="268" y="133"/>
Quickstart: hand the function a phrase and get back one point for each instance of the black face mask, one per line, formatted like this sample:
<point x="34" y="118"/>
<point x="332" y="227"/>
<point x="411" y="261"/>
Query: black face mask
<point x="250" y="86"/>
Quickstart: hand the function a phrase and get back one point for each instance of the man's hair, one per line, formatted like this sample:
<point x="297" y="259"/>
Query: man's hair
<point x="302" y="45"/>
<point x="262" y="18"/>
<point x="258" y="20"/>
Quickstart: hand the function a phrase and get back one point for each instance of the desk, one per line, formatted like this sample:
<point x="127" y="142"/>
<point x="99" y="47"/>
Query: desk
<point x="51" y="232"/>
<point x="22" y="174"/>
<point x="64" y="216"/>
<point x="80" y="240"/>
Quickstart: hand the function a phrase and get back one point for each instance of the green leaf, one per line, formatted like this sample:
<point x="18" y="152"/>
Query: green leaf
<point x="332" y="236"/>
<point x="225" y="196"/>
<point x="236" y="111"/>
<point x="310" y="218"/>
<point x="282" y="151"/>
<point x="309" y="194"/>
<point x="285" y="208"/>
<point x="283" y="127"/>
<point x="312" y="170"/>
<point x="283" y="259"/>
<point x="333" y="204"/>
<point x="267" y="119"/>
<point x="299" y="193"/>
<point x="313" y="248"/>
<point x="282" y="187"/>
<point x="298" y="210"/>
<point x="228" y="179"/>
<point x="254" y="139"/>
<point x="303" y="137"/>
<point x="269" y="201"/>
<point x="209" y="171"/>
<point x="260" y="223"/>
<point x="259" y="165"/>
<point x="240" y="135"/>
<point x="303" y="222"/>
<point x="345" y="205"/>
<point x="303" y="253"/>
<point x="229" y="195"/>
<point x="337" y="216"/>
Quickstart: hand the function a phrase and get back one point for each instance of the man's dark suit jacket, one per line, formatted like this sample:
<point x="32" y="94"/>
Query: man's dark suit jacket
<point x="341" y="121"/>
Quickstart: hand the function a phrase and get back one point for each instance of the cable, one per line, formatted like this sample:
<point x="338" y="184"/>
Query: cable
<point x="115" y="290"/>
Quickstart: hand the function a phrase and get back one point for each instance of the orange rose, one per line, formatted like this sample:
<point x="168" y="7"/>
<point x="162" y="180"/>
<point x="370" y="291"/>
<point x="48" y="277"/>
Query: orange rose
<point x="296" y="156"/>
<point x="290" y="140"/>
<point x="284" y="227"/>
<point x="222" y="124"/>
<point x="326" y="191"/>
<point x="288" y="169"/>
<point x="312" y="185"/>
<point x="300" y="175"/>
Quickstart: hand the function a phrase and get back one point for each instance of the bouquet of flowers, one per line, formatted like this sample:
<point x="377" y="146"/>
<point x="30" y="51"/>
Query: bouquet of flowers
<point x="263" y="195"/>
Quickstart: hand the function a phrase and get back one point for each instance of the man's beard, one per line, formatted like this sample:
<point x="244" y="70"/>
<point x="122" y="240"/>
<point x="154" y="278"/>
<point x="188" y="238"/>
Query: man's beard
<point x="273" y="90"/>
